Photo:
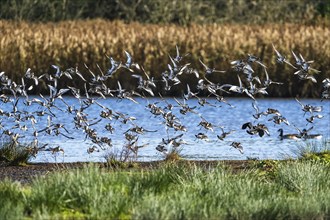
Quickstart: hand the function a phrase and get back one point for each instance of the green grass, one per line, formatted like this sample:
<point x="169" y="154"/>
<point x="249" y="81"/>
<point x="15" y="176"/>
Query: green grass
<point x="12" y="198"/>
<point x="296" y="190"/>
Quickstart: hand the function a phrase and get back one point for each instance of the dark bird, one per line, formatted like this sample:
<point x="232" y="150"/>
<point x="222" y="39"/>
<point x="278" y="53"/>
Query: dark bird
<point x="287" y="136"/>
<point x="238" y="146"/>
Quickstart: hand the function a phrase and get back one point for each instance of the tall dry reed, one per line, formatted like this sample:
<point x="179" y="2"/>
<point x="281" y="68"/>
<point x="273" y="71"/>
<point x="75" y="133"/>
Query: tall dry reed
<point x="72" y="43"/>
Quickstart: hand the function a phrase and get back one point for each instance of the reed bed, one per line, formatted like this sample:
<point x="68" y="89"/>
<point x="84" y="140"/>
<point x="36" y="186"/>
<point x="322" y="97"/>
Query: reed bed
<point x="72" y="43"/>
<point x="296" y="190"/>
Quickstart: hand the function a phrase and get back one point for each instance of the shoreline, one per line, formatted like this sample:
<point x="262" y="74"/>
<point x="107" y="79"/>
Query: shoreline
<point x="26" y="173"/>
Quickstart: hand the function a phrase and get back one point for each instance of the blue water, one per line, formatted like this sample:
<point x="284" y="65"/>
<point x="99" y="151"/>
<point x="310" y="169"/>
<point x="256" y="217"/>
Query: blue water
<point x="230" y="118"/>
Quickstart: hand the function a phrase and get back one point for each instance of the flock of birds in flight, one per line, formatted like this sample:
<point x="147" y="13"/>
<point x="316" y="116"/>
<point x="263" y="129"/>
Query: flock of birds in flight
<point x="95" y="88"/>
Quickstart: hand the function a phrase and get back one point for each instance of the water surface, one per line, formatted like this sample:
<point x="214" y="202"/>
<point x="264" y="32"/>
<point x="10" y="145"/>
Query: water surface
<point x="230" y="118"/>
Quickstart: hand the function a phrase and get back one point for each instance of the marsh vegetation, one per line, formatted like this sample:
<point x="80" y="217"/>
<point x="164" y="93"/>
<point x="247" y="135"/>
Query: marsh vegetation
<point x="272" y="190"/>
<point x="75" y="43"/>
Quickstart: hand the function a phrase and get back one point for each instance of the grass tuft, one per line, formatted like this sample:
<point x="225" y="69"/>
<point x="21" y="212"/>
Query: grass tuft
<point x="173" y="155"/>
<point x="120" y="159"/>
<point x="314" y="151"/>
<point x="14" y="154"/>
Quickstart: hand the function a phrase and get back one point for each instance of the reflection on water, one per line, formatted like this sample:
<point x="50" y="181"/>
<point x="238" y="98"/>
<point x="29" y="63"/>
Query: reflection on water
<point x="230" y="118"/>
